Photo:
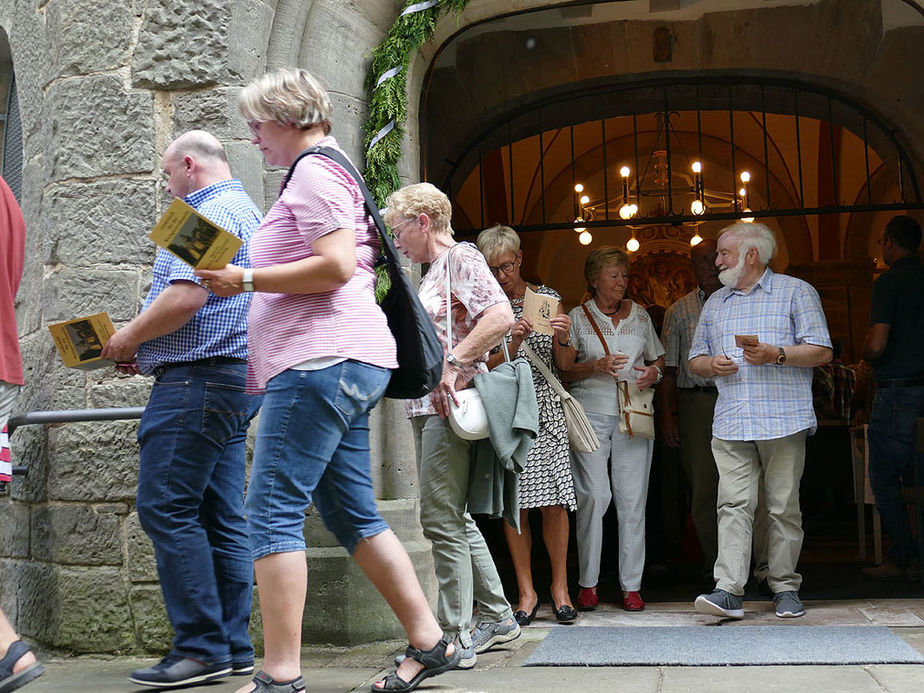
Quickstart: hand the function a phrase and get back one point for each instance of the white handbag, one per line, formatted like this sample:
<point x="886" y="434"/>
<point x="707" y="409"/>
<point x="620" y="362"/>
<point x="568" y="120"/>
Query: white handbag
<point x="468" y="419"/>
<point x="581" y="433"/>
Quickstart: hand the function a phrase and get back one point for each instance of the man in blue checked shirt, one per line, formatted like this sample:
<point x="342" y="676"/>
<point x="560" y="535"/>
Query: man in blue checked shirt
<point x="192" y="433"/>
<point x="758" y="339"/>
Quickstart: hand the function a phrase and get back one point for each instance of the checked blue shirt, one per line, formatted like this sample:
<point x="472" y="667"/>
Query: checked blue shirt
<point x="220" y="326"/>
<point x="768" y="401"/>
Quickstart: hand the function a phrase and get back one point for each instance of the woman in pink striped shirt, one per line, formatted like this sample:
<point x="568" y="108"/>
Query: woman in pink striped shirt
<point x="321" y="350"/>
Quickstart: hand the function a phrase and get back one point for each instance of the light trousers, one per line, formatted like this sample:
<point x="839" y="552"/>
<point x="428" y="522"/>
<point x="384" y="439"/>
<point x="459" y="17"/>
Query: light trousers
<point x="465" y="570"/>
<point x="741" y="464"/>
<point x="626" y="483"/>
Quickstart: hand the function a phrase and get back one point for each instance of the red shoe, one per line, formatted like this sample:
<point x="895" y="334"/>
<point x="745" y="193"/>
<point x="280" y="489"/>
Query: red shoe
<point x="633" y="602"/>
<point x="587" y="600"/>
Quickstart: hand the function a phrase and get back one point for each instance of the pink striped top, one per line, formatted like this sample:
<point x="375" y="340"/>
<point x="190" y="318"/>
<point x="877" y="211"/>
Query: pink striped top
<point x="287" y="329"/>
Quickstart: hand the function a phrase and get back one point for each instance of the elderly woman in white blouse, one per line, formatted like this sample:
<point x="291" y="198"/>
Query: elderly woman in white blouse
<point x="634" y="353"/>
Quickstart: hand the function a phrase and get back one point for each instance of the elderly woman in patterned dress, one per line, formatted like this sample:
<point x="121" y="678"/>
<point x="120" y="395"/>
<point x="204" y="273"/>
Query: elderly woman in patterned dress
<point x="546" y="482"/>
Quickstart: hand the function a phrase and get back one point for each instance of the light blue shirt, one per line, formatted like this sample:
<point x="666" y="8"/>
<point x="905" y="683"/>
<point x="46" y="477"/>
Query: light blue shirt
<point x="220" y="326"/>
<point x="768" y="401"/>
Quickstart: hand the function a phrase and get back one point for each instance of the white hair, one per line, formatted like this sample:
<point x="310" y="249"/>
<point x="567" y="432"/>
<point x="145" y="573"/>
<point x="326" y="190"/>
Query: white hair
<point x="754" y="235"/>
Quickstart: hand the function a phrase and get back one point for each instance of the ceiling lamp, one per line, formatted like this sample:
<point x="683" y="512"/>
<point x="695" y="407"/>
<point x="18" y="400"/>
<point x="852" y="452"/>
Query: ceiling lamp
<point x="626" y="210"/>
<point x="698" y="206"/>
<point x="632" y="244"/>
<point x="696" y="240"/>
<point x="745" y="194"/>
<point x="585" y="238"/>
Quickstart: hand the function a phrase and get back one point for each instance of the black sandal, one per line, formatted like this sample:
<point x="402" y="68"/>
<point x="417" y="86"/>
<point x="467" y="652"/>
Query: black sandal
<point x="435" y="661"/>
<point x="267" y="684"/>
<point x="10" y="681"/>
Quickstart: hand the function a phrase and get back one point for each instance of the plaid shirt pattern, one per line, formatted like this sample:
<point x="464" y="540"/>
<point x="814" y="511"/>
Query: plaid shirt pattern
<point x="220" y="326"/>
<point x="767" y="401"/>
<point x="677" y="334"/>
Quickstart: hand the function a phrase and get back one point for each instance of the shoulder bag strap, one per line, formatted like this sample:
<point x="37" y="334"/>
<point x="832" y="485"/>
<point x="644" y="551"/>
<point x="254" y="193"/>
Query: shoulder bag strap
<point x="593" y="324"/>
<point x="546" y="373"/>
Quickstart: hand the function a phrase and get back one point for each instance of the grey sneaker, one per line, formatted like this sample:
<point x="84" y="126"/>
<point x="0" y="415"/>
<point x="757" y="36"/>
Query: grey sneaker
<point x="788" y="604"/>
<point x="486" y="635"/>
<point x="720" y="603"/>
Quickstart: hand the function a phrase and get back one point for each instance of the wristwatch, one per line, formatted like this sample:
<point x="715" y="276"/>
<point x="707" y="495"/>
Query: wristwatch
<point x="247" y="281"/>
<point x="781" y="359"/>
<point x="452" y="360"/>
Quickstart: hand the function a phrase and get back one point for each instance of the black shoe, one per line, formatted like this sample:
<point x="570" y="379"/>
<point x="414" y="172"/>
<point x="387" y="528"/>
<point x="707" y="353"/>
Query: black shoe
<point x="242" y="668"/>
<point x="523" y="618"/>
<point x="175" y="670"/>
<point x="565" y="613"/>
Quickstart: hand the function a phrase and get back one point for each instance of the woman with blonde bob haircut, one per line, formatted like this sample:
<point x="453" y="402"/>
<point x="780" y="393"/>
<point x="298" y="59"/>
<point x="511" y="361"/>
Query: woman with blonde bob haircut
<point x="419" y="217"/>
<point x="546" y="481"/>
<point x="314" y="262"/>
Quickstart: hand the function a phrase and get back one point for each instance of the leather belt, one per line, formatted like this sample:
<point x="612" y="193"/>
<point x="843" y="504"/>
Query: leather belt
<point x="900" y="382"/>
<point x="702" y="388"/>
<point x="210" y="361"/>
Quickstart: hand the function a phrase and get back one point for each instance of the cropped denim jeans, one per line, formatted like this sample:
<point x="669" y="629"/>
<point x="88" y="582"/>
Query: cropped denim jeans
<point x="891" y="452"/>
<point x="191" y="504"/>
<point x="313" y="446"/>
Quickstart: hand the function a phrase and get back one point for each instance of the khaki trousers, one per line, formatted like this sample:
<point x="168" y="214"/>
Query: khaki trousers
<point x="464" y="567"/>
<point x="741" y="465"/>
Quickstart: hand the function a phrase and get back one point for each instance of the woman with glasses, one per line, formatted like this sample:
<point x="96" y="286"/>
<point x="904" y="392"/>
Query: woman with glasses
<point x="419" y="216"/>
<point x="546" y="482"/>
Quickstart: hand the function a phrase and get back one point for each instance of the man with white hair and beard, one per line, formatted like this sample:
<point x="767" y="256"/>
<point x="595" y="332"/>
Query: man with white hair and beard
<point x="758" y="338"/>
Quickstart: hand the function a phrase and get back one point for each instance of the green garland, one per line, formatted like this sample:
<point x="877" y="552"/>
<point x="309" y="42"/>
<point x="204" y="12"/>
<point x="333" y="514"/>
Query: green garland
<point x="388" y="100"/>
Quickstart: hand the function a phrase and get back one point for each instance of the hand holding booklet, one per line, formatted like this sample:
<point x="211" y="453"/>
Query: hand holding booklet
<point x="540" y="308"/>
<point x="80" y="341"/>
<point x="194" y="239"/>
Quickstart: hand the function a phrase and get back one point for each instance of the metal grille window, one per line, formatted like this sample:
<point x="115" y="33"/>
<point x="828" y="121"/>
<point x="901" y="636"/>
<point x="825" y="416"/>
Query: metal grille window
<point x="11" y="153"/>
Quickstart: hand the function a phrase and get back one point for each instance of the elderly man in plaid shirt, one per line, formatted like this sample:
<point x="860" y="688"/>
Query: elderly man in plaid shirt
<point x="192" y="434"/>
<point x="758" y="338"/>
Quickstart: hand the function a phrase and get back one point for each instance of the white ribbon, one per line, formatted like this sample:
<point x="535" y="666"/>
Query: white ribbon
<point x="417" y="7"/>
<point x="388" y="74"/>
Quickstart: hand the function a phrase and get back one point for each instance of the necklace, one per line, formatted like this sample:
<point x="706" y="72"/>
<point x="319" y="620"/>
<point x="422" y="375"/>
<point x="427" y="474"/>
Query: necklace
<point x="618" y="308"/>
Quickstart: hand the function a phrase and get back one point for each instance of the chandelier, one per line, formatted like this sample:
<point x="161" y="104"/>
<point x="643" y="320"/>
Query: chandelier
<point x="653" y="191"/>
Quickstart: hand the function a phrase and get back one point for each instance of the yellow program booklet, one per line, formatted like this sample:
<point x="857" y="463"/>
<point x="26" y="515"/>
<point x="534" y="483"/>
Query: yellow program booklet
<point x="81" y="341"/>
<point x="193" y="238"/>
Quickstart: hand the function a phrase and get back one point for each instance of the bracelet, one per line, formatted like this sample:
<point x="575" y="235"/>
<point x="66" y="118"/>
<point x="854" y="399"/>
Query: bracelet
<point x="660" y="373"/>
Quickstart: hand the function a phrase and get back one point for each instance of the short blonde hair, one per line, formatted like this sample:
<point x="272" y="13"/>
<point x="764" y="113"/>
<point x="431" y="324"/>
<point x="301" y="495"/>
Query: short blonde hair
<point x="288" y="96"/>
<point x="420" y="198"/>
<point x="498" y="240"/>
<point x="600" y="258"/>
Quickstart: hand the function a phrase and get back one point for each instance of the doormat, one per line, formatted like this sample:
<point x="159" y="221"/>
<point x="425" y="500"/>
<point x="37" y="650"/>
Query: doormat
<point x="718" y="646"/>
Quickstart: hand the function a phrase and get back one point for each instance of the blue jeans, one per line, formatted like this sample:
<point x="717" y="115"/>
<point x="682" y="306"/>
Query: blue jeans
<point x="891" y="452"/>
<point x="313" y="445"/>
<point x="190" y="503"/>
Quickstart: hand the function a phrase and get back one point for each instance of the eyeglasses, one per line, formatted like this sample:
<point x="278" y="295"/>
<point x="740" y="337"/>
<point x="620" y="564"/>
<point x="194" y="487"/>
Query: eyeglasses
<point x="505" y="268"/>
<point x="394" y="229"/>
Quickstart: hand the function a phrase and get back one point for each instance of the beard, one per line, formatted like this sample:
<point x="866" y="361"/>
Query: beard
<point x="732" y="275"/>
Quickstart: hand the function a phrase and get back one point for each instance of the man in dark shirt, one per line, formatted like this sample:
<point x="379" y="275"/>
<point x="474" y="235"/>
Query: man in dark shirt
<point x="894" y="346"/>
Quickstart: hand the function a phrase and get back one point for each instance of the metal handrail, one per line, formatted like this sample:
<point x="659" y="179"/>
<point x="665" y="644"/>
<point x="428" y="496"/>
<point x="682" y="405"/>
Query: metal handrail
<point x="69" y="416"/>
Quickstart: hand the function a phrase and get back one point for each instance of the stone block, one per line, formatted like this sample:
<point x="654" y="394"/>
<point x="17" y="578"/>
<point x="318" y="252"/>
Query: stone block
<point x="247" y="164"/>
<point x="89" y="36"/>
<point x="28" y="300"/>
<point x="214" y="110"/>
<point x="94" y="126"/>
<point x="140" y="561"/>
<point x="14" y="529"/>
<point x="76" y="535"/>
<point x="93" y="461"/>
<point x="78" y="609"/>
<point x="153" y="631"/>
<point x="349" y="114"/>
<point x="192" y="45"/>
<point x="112" y="389"/>
<point x="74" y="292"/>
<point x="9" y="600"/>
<point x="28" y="447"/>
<point x="115" y="218"/>
<point x="30" y="48"/>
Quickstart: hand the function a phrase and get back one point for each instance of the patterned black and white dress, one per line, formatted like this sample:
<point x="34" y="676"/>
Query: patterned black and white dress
<point x="546" y="480"/>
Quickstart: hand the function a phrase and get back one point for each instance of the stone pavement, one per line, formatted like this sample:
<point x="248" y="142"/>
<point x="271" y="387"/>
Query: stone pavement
<point x="340" y="670"/>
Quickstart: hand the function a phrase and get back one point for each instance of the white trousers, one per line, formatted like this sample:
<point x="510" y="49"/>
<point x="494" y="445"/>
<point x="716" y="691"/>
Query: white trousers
<point x="627" y="485"/>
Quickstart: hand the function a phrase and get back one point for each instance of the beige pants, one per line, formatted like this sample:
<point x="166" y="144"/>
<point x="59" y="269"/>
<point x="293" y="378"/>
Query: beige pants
<point x="741" y="465"/>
